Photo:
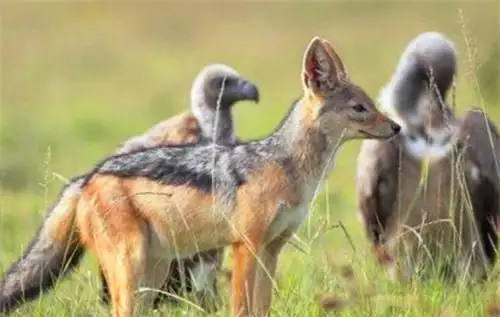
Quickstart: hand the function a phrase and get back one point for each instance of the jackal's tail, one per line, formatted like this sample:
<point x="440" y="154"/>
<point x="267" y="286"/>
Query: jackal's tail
<point x="49" y="256"/>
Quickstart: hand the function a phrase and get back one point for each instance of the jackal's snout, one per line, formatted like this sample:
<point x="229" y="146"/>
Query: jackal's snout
<point x="395" y="127"/>
<point x="381" y="127"/>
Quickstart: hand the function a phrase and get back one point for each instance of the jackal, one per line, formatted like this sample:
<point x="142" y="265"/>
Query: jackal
<point x="441" y="214"/>
<point x="140" y="209"/>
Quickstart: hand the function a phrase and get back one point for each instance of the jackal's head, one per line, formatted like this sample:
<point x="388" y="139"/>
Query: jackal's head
<point x="219" y="86"/>
<point x="336" y="103"/>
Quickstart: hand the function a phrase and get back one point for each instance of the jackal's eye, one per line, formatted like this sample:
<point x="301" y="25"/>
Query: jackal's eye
<point x="359" y="108"/>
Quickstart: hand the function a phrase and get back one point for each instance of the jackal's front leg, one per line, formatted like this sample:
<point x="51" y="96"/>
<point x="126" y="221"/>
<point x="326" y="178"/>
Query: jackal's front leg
<point x="265" y="272"/>
<point x="243" y="278"/>
<point x="244" y="270"/>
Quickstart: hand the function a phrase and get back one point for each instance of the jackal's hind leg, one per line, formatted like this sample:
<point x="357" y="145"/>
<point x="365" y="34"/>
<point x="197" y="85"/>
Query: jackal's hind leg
<point x="123" y="265"/>
<point x="123" y="271"/>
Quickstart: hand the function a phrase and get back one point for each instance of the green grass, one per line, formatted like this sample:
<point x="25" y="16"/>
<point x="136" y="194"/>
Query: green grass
<point x="77" y="79"/>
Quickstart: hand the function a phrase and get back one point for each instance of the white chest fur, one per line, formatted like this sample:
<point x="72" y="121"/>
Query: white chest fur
<point x="289" y="219"/>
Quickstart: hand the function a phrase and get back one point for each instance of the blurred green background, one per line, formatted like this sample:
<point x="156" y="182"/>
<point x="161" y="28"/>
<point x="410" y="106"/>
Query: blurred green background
<point x="79" y="78"/>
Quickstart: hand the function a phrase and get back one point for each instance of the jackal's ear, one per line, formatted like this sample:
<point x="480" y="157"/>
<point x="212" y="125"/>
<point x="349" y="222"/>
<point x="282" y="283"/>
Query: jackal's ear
<point x="340" y="67"/>
<point x="319" y="71"/>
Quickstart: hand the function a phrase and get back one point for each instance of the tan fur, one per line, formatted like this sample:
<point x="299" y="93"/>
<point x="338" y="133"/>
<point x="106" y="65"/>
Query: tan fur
<point x="185" y="211"/>
<point x="112" y="209"/>
<point x="61" y="223"/>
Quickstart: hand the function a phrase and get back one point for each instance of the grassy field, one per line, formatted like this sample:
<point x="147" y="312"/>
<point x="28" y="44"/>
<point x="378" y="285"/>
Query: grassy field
<point x="77" y="79"/>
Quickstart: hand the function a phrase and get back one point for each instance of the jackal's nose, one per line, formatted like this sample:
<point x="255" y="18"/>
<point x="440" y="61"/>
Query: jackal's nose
<point x="396" y="128"/>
